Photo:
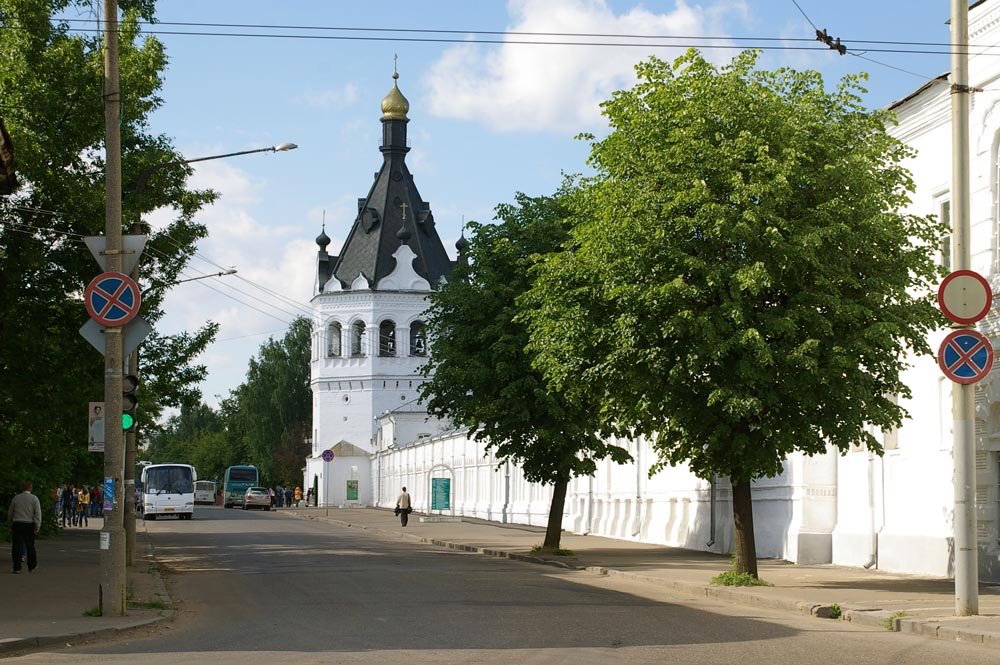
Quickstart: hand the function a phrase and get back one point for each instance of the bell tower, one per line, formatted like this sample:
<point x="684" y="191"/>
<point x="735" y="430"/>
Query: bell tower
<point x="369" y="335"/>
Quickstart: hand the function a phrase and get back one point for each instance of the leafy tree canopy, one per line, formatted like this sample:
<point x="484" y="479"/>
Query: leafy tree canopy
<point x="51" y="79"/>
<point x="479" y="373"/>
<point x="741" y="282"/>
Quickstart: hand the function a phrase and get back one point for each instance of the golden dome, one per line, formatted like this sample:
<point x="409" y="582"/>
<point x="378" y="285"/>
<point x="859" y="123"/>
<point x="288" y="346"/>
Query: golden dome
<point x="395" y="105"/>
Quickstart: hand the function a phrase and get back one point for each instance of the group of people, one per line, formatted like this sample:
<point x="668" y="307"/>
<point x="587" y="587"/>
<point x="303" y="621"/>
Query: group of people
<point x="285" y="497"/>
<point x="74" y="505"/>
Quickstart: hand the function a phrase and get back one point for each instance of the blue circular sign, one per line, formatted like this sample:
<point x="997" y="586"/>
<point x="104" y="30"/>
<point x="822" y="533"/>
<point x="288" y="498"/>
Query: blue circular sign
<point x="965" y="356"/>
<point x="112" y="299"/>
<point x="327" y="455"/>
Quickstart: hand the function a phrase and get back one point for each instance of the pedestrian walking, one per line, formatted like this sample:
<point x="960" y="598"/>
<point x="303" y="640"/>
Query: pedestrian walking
<point x="96" y="504"/>
<point x="25" y="518"/>
<point x="309" y="497"/>
<point x="403" y="507"/>
<point x="83" y="506"/>
<point x="288" y="497"/>
<point x="270" y="493"/>
<point x="66" y="502"/>
<point x="297" y="496"/>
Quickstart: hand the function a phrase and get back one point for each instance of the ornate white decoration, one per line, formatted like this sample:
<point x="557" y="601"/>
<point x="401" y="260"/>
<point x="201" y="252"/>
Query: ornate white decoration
<point x="403" y="277"/>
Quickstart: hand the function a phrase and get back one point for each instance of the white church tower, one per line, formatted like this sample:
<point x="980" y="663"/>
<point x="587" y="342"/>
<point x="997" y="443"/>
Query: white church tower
<point x="369" y="338"/>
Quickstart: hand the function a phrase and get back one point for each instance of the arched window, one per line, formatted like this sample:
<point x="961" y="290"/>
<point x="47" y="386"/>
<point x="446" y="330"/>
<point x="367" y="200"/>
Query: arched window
<point x="333" y="341"/>
<point x="387" y="338"/>
<point x="418" y="339"/>
<point x="358" y="340"/>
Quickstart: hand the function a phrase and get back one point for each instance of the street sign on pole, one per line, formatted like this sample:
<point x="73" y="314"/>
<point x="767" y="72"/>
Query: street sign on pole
<point x="132" y="334"/>
<point x="327" y="455"/>
<point x="132" y="247"/>
<point x="965" y="356"/>
<point x="965" y="296"/>
<point x="112" y="299"/>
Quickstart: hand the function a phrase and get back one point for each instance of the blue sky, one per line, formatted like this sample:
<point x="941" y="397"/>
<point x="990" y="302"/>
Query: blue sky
<point x="486" y="120"/>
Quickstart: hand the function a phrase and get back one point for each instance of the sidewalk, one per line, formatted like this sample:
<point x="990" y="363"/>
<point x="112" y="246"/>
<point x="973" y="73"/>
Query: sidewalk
<point x="909" y="604"/>
<point x="47" y="606"/>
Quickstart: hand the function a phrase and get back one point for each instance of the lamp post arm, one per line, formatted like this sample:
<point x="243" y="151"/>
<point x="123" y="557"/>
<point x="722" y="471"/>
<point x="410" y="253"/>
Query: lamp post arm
<point x="140" y="182"/>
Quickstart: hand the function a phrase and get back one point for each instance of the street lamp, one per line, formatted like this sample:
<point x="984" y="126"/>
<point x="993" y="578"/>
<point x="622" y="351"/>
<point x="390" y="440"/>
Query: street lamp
<point x="231" y="271"/>
<point x="140" y="182"/>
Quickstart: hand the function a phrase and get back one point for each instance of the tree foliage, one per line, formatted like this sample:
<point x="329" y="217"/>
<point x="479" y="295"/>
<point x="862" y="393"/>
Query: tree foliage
<point x="265" y="421"/>
<point x="479" y="373"/>
<point x="741" y="283"/>
<point x="51" y="100"/>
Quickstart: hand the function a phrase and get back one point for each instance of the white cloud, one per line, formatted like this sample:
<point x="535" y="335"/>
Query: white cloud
<point x="558" y="88"/>
<point x="345" y="95"/>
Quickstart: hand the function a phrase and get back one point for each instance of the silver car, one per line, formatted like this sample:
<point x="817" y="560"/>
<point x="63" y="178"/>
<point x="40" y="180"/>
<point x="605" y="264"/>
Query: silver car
<point x="257" y="497"/>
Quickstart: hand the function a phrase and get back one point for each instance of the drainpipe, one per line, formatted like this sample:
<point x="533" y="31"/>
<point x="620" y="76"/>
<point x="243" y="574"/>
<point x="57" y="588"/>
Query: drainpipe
<point x="637" y="527"/>
<point x="590" y="505"/>
<point x="506" y="493"/>
<point x="873" y="541"/>
<point x="711" y="524"/>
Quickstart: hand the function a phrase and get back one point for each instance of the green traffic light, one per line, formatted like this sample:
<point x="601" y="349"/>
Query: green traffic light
<point x="128" y="421"/>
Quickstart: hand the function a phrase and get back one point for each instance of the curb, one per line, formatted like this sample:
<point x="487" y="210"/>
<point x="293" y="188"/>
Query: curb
<point x="862" y="616"/>
<point x="9" y="644"/>
<point x="14" y="644"/>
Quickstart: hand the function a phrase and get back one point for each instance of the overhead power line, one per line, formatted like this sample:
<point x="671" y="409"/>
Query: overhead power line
<point x="676" y="41"/>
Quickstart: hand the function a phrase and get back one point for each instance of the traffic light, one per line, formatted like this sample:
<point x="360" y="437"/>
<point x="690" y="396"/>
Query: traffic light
<point x="129" y="402"/>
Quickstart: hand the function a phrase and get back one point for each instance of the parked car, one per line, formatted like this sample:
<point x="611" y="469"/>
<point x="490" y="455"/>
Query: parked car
<point x="257" y="497"/>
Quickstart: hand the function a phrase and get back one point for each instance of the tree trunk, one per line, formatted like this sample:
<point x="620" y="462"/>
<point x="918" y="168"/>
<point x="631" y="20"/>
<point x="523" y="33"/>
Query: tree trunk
<point x="746" y="547"/>
<point x="553" y="532"/>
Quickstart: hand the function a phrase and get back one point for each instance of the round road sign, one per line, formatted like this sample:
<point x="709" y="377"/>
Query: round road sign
<point x="965" y="296"/>
<point x="965" y="356"/>
<point x="327" y="455"/>
<point x="112" y="299"/>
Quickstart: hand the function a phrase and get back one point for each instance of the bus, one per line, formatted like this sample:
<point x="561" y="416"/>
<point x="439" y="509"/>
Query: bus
<point x="204" y="491"/>
<point x="168" y="489"/>
<point x="236" y="482"/>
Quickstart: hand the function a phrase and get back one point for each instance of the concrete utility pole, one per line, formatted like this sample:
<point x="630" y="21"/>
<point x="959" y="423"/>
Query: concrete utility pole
<point x="112" y="585"/>
<point x="963" y="395"/>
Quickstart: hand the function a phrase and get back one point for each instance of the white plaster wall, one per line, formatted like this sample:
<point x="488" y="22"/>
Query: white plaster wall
<point x="620" y="501"/>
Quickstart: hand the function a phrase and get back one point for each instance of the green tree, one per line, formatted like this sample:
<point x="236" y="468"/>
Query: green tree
<point x="740" y="284"/>
<point x="270" y="413"/>
<point x="479" y="373"/>
<point x="51" y="102"/>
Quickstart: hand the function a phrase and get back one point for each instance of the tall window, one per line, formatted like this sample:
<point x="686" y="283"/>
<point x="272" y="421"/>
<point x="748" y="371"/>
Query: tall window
<point x="333" y="334"/>
<point x="387" y="338"/>
<point x="944" y="216"/>
<point x="418" y="339"/>
<point x="358" y="340"/>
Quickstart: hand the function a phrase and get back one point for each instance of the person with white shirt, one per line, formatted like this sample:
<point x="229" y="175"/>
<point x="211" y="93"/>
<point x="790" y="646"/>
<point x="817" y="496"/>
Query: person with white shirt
<point x="25" y="517"/>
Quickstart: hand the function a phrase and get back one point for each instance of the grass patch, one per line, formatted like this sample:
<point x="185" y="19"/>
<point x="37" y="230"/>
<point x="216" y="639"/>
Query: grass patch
<point x="835" y="611"/>
<point x="538" y="549"/>
<point x="92" y="612"/>
<point x="732" y="578"/>
<point x="149" y="605"/>
<point x="889" y="623"/>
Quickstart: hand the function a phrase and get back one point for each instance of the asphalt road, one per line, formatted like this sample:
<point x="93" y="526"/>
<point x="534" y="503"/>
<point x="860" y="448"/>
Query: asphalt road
<point x="259" y="588"/>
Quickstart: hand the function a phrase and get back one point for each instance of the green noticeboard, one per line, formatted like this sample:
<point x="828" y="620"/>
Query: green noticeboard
<point x="352" y="490"/>
<point x="440" y="493"/>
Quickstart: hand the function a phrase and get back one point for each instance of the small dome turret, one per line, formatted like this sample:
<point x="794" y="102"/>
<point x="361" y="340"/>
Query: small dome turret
<point x="395" y="105"/>
<point x="322" y="239"/>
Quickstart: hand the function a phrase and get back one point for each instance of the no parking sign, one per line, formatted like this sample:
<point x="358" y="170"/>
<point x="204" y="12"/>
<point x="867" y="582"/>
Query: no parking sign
<point x="112" y="299"/>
